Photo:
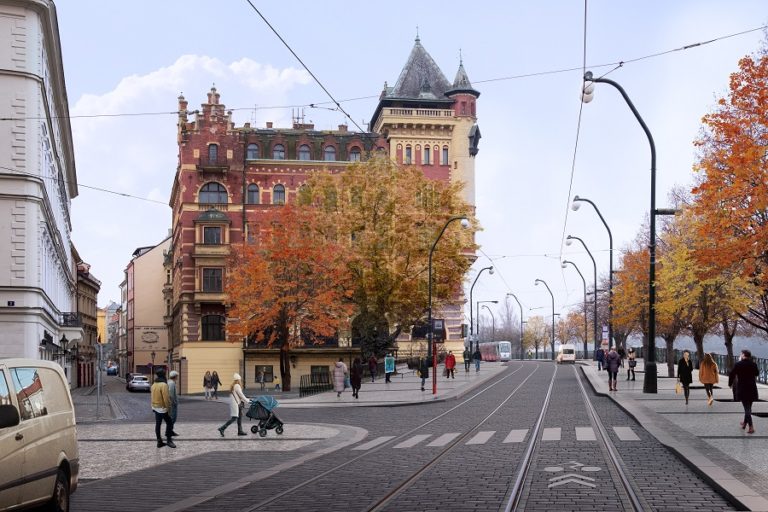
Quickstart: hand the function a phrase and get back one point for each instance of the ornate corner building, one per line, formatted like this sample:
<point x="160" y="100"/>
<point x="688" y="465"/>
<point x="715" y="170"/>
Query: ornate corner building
<point x="228" y="177"/>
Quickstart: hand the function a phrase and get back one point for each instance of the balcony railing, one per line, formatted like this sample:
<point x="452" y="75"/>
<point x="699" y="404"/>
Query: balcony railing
<point x="71" y="320"/>
<point x="419" y="112"/>
<point x="212" y="164"/>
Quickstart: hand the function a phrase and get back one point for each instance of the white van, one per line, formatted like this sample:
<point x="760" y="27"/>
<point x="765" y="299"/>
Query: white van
<point x="567" y="353"/>
<point x="39" y="460"/>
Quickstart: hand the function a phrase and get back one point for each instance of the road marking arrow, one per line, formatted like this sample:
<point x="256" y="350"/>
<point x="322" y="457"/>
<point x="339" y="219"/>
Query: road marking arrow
<point x="571" y="478"/>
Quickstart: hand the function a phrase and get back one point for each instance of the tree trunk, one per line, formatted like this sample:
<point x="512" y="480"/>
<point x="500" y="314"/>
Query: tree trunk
<point x="670" y="342"/>
<point x="285" y="366"/>
<point x="729" y="332"/>
<point x="698" y="339"/>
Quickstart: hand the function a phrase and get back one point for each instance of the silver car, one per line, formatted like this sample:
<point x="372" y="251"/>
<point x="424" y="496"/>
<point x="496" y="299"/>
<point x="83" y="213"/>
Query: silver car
<point x="139" y="383"/>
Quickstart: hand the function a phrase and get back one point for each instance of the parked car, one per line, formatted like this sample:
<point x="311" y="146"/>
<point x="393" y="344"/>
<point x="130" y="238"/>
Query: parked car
<point x="39" y="458"/>
<point x="128" y="377"/>
<point x="112" y="370"/>
<point x="139" y="383"/>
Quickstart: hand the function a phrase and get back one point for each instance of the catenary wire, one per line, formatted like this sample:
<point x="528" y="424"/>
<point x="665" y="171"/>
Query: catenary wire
<point x="616" y="65"/>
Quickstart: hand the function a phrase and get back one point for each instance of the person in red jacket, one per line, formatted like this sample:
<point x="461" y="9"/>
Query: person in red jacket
<point x="450" y="365"/>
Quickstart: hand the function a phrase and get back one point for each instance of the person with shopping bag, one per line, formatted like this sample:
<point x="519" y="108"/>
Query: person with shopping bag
<point x="340" y="377"/>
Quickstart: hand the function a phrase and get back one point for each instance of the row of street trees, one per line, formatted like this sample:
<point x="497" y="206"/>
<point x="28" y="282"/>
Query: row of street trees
<point x="349" y="258"/>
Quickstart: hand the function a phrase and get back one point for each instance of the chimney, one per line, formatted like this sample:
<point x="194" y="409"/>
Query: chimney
<point x="247" y="125"/>
<point x="269" y="124"/>
<point x="343" y="128"/>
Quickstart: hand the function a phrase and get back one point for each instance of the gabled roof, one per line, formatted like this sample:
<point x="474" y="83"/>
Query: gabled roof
<point x="421" y="77"/>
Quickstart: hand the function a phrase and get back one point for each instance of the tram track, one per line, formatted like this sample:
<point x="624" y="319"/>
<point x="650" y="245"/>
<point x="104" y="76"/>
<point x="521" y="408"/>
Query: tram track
<point x="392" y="442"/>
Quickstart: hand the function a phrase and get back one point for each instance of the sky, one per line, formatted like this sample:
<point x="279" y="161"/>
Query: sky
<point x="136" y="57"/>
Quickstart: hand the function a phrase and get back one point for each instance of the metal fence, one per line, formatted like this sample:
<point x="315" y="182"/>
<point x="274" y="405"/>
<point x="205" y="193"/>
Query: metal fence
<point x="720" y="359"/>
<point x="314" y="384"/>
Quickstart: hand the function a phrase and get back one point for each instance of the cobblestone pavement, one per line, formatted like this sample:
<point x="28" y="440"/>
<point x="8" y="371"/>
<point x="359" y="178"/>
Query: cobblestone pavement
<point x="354" y="470"/>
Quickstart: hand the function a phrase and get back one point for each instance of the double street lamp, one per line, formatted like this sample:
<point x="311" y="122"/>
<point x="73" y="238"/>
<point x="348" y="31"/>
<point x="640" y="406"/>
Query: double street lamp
<point x="493" y="319"/>
<point x="584" y="282"/>
<point x="552" y="343"/>
<point x="575" y="206"/>
<point x="521" y="322"/>
<point x="568" y="241"/>
<point x="471" y="289"/>
<point x="430" y="335"/>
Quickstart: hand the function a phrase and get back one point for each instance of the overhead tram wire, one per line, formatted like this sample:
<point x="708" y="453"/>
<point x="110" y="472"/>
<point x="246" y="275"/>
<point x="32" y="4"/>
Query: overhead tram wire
<point x="98" y="189"/>
<point x="616" y="64"/>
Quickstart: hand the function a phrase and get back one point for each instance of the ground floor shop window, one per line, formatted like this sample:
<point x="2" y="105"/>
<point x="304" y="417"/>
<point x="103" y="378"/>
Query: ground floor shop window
<point x="265" y="371"/>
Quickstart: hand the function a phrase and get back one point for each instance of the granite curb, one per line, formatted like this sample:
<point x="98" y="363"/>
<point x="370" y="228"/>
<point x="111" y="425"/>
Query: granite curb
<point x="739" y="494"/>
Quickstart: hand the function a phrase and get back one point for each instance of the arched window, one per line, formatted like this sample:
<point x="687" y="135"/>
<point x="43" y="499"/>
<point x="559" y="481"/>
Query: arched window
<point x="278" y="152"/>
<point x="330" y="153"/>
<point x="304" y="152"/>
<point x="408" y="155"/>
<point x="253" y="194"/>
<point x="427" y="155"/>
<point x="213" y="193"/>
<point x="252" y="153"/>
<point x="354" y="154"/>
<point x="213" y="153"/>
<point x="445" y="155"/>
<point x="213" y="328"/>
<point x="278" y="194"/>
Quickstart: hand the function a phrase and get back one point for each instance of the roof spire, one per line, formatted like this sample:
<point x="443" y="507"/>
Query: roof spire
<point x="418" y="40"/>
<point x="461" y="59"/>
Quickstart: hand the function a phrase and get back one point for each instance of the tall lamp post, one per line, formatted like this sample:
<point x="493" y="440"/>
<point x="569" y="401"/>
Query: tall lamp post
<point x="552" y="343"/>
<point x="493" y="320"/>
<point x="521" y="322"/>
<point x="575" y="206"/>
<point x="430" y="337"/>
<point x="490" y="271"/>
<point x="568" y="241"/>
<point x="478" y="314"/>
<point x="152" y="355"/>
<point x="650" y="380"/>
<point x="584" y="282"/>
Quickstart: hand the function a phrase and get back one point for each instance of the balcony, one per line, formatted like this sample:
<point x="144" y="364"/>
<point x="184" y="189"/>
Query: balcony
<point x="71" y="320"/>
<point x="205" y="164"/>
<point x="211" y="250"/>
<point x="210" y="296"/>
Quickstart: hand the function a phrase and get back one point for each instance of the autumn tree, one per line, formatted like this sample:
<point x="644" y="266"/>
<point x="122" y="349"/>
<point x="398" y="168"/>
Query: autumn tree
<point x="630" y="291"/>
<point x="389" y="216"/>
<point x="731" y="196"/>
<point x="289" y="287"/>
<point x="535" y="334"/>
<point x="571" y="328"/>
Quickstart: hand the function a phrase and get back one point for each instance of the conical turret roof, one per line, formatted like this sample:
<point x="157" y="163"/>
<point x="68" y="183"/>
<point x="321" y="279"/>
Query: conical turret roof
<point x="461" y="83"/>
<point x="421" y="77"/>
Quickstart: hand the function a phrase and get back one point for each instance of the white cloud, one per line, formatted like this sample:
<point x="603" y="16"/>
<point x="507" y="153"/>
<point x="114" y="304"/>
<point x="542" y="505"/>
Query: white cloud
<point x="137" y="155"/>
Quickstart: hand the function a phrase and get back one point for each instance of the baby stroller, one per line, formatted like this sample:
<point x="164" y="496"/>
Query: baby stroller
<point x="262" y="409"/>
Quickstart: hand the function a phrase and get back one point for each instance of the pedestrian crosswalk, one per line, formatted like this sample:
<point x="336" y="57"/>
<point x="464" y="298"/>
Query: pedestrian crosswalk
<point x="624" y="434"/>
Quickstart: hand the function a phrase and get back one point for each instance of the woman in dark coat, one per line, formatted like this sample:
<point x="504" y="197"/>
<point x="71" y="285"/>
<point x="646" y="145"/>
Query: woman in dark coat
<point x="612" y="363"/>
<point x="424" y="370"/>
<point x="743" y="380"/>
<point x="356" y="376"/>
<point x="685" y="373"/>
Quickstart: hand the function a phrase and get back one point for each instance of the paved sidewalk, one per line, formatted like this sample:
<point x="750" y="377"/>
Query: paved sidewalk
<point x="91" y="406"/>
<point x="708" y="439"/>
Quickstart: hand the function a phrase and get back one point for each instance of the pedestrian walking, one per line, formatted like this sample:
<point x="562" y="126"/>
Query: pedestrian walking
<point x="424" y="364"/>
<point x="478" y="357"/>
<point x="743" y="380"/>
<point x="389" y="367"/>
<point x="467" y="355"/>
<point x="622" y="355"/>
<point x="685" y="373"/>
<point x="356" y="377"/>
<point x="215" y="383"/>
<point x="709" y="376"/>
<point x="339" y="377"/>
<point x="450" y="365"/>
<point x="237" y="401"/>
<point x="207" y="384"/>
<point x="173" y="393"/>
<point x="373" y="367"/>
<point x="612" y="364"/>
<point x="260" y="380"/>
<point x="161" y="404"/>
<point x="600" y="356"/>
<point x="631" y="364"/>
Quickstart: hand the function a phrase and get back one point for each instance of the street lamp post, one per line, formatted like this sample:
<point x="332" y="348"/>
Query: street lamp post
<point x="650" y="380"/>
<point x="152" y="355"/>
<point x="493" y="320"/>
<point x="584" y="282"/>
<point x="430" y="337"/>
<point x="575" y="206"/>
<point x="471" y="289"/>
<point x="552" y="343"/>
<point x="478" y="313"/>
<point x="521" y="322"/>
<point x="568" y="241"/>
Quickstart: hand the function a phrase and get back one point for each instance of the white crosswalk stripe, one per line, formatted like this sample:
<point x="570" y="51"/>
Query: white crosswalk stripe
<point x="444" y="439"/>
<point x="514" y="436"/>
<point x="410" y="443"/>
<point x="481" y="437"/>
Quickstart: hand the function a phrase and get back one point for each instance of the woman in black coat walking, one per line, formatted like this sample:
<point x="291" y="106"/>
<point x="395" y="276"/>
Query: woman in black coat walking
<point x="685" y="373"/>
<point x="743" y="380"/>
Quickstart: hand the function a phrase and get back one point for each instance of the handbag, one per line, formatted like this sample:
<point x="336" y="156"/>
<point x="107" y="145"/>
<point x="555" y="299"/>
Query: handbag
<point x="632" y="363"/>
<point x="347" y="384"/>
<point x="678" y="388"/>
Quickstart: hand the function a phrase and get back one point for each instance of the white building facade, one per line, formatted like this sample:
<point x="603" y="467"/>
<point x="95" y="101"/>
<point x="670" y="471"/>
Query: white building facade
<point x="38" y="277"/>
